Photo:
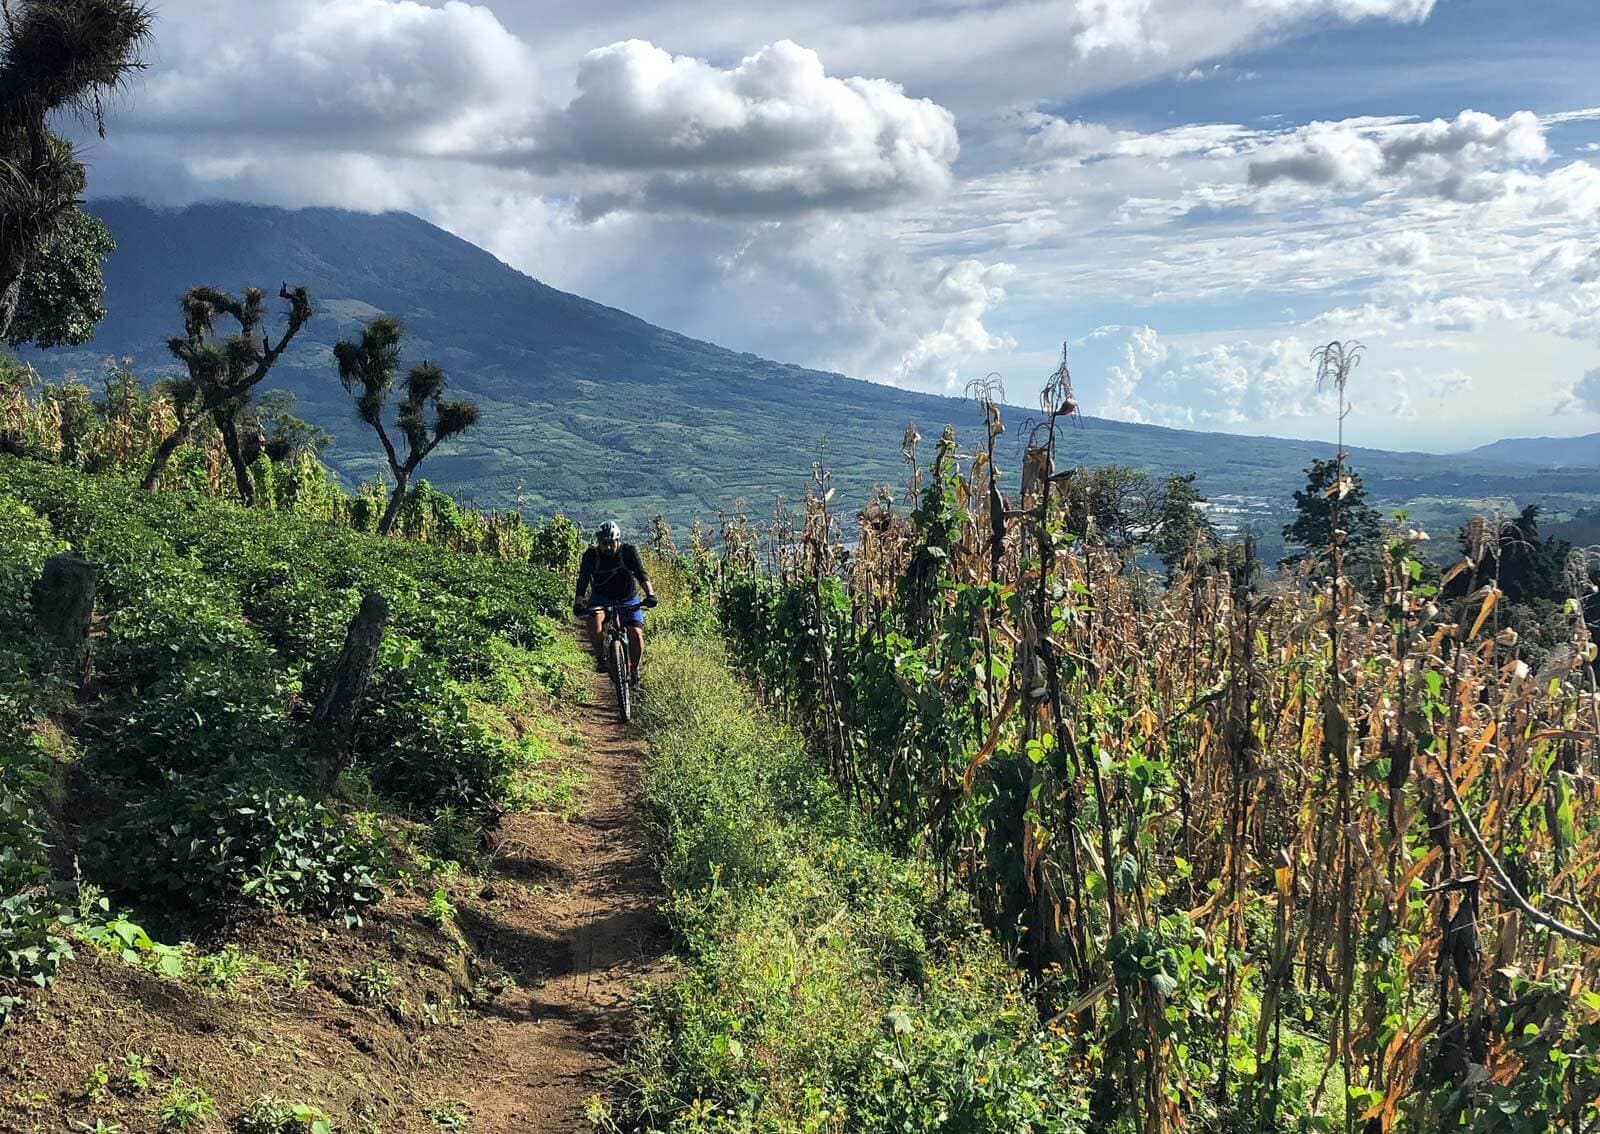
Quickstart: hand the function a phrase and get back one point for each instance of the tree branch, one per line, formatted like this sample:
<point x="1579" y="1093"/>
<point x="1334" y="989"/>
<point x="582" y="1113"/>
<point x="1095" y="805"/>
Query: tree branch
<point x="1504" y="879"/>
<point x="395" y="466"/>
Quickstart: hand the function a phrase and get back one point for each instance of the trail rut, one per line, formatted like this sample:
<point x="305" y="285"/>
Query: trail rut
<point x="573" y="917"/>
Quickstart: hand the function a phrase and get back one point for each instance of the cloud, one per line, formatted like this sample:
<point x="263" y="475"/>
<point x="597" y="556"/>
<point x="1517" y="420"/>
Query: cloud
<point x="1568" y="262"/>
<point x="374" y="76"/>
<point x="963" y="292"/>
<point x="1448" y="158"/>
<point x="245" y="88"/>
<point x="774" y="134"/>
<point x="1213" y="73"/>
<point x="1116" y="25"/>
<point x="1246" y="382"/>
<point x="1076" y="140"/>
<point x="1585" y="394"/>
<point x="1413" y="393"/>
<point x="776" y="199"/>
<point x="1217" y="384"/>
<point x="1407" y="249"/>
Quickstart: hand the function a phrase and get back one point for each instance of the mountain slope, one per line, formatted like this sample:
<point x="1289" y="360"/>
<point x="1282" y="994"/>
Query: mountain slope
<point x="1545" y="452"/>
<point x="588" y="408"/>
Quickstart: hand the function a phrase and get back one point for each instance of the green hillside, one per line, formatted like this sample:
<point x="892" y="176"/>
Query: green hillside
<point x="588" y="408"/>
<point x="1545" y="452"/>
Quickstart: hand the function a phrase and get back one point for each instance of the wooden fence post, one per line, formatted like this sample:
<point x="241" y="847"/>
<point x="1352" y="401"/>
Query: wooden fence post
<point x="63" y="605"/>
<point x="334" y="721"/>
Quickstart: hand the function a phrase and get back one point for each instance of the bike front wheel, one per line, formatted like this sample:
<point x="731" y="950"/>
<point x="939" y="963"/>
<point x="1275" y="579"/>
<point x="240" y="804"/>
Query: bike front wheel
<point x="619" y="679"/>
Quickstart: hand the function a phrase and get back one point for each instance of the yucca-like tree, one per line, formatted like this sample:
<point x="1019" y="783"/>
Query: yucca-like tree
<point x="367" y="368"/>
<point x="55" y="55"/>
<point x="223" y="373"/>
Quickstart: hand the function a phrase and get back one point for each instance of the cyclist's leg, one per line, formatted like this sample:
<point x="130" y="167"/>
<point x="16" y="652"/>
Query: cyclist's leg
<point x="635" y="647"/>
<point x="634" y="621"/>
<point x="597" y="640"/>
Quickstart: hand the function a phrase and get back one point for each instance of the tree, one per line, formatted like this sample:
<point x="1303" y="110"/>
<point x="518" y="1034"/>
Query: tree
<point x="223" y="375"/>
<point x="55" y="55"/>
<point x="367" y="370"/>
<point x="281" y="435"/>
<point x="62" y="295"/>
<point x="1326" y="496"/>
<point x="1530" y="569"/>
<point x="1181" y="528"/>
<point x="1115" y="503"/>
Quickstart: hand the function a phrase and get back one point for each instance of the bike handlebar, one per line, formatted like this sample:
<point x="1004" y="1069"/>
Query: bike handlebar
<point x="625" y="604"/>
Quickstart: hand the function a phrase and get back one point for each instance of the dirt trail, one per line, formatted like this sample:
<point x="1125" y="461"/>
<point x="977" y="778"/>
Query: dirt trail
<point x="574" y="918"/>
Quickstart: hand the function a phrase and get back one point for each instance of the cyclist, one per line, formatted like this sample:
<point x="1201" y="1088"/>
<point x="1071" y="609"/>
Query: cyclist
<point x="606" y="577"/>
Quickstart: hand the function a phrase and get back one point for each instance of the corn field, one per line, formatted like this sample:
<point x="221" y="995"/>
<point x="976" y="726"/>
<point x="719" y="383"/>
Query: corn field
<point x="1274" y="854"/>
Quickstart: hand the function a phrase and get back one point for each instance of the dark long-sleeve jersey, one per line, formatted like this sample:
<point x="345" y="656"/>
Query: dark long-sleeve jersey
<point x="611" y="576"/>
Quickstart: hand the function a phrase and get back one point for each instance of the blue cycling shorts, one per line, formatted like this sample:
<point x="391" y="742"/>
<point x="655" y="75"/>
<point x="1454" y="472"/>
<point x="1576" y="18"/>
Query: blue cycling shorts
<point x="632" y="613"/>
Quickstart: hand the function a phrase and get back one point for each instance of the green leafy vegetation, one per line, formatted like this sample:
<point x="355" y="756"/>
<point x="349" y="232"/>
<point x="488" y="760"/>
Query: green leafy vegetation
<point x="185" y="1107"/>
<point x="268" y="1115"/>
<point x="449" y="1114"/>
<point x="223" y="373"/>
<point x="62" y="294"/>
<point x="180" y="778"/>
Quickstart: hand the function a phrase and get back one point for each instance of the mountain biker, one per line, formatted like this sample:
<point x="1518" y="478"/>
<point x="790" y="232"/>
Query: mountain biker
<point x="606" y="577"/>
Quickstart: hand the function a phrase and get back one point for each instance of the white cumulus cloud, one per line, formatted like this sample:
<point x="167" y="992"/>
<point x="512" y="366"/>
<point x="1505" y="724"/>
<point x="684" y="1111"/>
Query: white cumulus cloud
<point x="1450" y="158"/>
<point x="243" y="92"/>
<point x="1217" y="384"/>
<point x="962" y="294"/>
<point x="774" y="134"/>
<point x="375" y="76"/>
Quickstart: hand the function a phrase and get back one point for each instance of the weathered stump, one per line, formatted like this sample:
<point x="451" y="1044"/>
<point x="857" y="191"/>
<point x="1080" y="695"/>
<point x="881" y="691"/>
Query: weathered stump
<point x="334" y="721"/>
<point x="63" y="606"/>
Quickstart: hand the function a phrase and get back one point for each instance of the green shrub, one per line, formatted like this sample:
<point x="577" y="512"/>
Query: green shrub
<point x="203" y="718"/>
<point x="31" y="949"/>
<point x="194" y="845"/>
<point x="220" y="628"/>
<point x="557" y="545"/>
<point x="31" y="909"/>
<point x="269" y="1115"/>
<point x="419" y="742"/>
<point x="185" y="1107"/>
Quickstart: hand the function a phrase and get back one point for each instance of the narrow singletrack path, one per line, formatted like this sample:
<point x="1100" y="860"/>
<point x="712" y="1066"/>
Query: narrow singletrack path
<point x="573" y="917"/>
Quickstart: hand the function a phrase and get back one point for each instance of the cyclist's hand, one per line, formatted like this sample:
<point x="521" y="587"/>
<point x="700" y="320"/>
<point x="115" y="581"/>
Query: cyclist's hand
<point x="650" y="600"/>
<point x="579" y="607"/>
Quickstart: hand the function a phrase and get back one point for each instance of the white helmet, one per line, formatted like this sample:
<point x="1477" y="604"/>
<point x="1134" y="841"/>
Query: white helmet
<point x="610" y="532"/>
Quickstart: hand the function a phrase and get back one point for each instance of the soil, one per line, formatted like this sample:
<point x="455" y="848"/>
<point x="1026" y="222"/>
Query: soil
<point x="512" y="1016"/>
<point x="579" y="951"/>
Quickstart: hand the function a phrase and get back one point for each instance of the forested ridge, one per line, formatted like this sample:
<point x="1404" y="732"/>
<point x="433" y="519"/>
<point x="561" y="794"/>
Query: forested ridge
<point x="590" y="409"/>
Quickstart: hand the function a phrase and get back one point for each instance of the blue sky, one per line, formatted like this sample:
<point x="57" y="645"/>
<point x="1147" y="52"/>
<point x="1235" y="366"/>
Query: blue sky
<point x="1190" y="194"/>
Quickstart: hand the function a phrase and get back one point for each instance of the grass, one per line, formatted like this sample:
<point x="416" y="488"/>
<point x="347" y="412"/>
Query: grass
<point x="823" y="984"/>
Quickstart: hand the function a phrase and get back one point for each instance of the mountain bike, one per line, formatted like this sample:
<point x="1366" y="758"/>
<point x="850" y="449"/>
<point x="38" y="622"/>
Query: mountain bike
<point x="616" y="654"/>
